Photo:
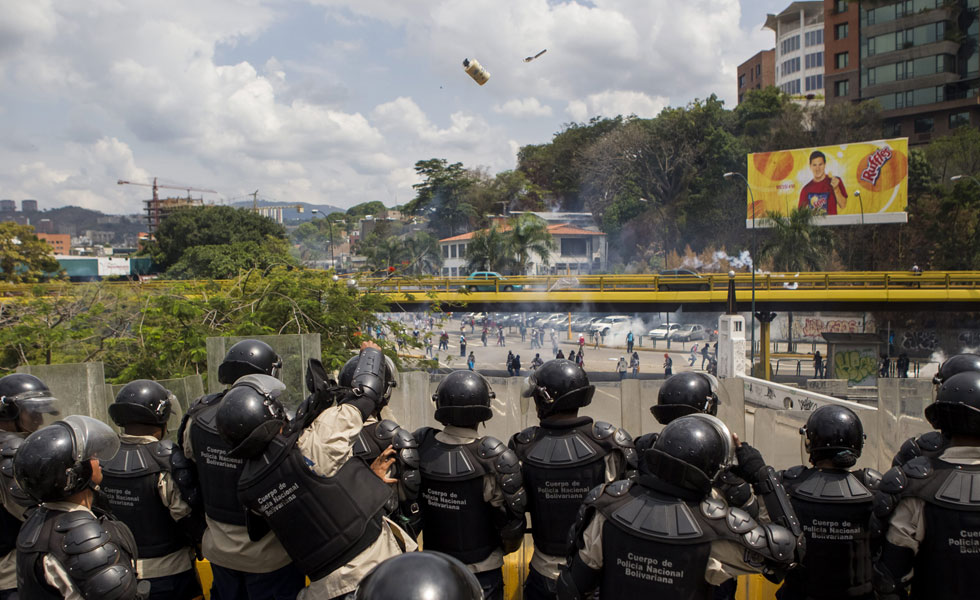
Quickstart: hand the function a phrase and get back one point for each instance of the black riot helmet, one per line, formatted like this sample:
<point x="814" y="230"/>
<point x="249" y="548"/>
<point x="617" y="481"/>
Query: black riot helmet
<point x="463" y="399"/>
<point x="558" y="385"/>
<point x="54" y="462"/>
<point x="26" y="399"/>
<point x="346" y="377"/>
<point x="249" y="357"/>
<point x="251" y="414"/>
<point x="957" y="406"/>
<point x="834" y="432"/>
<point x="685" y="393"/>
<point x="956" y="364"/>
<point x="420" y="576"/>
<point x="142" y="402"/>
<point x="690" y="452"/>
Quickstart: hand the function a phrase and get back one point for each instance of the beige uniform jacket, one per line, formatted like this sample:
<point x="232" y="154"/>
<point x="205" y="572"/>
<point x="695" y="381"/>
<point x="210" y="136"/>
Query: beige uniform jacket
<point x="327" y="444"/>
<point x="180" y="560"/>
<point x="229" y="546"/>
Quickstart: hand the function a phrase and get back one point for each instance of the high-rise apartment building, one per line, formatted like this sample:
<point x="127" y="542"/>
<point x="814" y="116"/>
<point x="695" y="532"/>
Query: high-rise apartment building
<point x="842" y="64"/>
<point x="799" y="60"/>
<point x="756" y="73"/>
<point x="918" y="58"/>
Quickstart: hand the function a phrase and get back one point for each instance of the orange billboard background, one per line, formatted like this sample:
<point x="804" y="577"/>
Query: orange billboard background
<point x="862" y="183"/>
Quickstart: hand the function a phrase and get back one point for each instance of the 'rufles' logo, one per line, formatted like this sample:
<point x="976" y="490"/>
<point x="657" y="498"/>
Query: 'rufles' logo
<point x="876" y="161"/>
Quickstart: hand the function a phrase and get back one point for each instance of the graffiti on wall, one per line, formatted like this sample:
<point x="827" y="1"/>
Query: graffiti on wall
<point x="919" y="340"/>
<point x="807" y="328"/>
<point x="858" y="367"/>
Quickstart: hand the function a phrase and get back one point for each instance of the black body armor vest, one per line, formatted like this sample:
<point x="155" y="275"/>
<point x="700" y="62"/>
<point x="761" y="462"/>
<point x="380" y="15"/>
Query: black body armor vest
<point x="218" y="473"/>
<point x="654" y="545"/>
<point x="98" y="553"/>
<point x="946" y="563"/>
<point x="322" y="522"/>
<point x="455" y="517"/>
<point x="834" y="509"/>
<point x="129" y="485"/>
<point x="560" y="466"/>
<point x="9" y="524"/>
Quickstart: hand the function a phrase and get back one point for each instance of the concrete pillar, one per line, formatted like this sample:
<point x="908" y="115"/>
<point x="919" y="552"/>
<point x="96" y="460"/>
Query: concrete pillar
<point x="731" y="346"/>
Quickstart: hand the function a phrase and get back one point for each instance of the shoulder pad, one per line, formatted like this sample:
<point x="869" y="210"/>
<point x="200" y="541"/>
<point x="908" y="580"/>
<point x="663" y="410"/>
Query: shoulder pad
<point x="793" y="472"/>
<point x="83" y="532"/>
<point x="918" y="468"/>
<point x="960" y="488"/>
<point x="832" y="486"/>
<point x="908" y="450"/>
<point x="713" y="509"/>
<point x="422" y="433"/>
<point x="527" y="435"/>
<point x="894" y="481"/>
<point x="601" y="430"/>
<point x="932" y="441"/>
<point x="403" y="440"/>
<point x="871" y="479"/>
<point x="164" y="449"/>
<point x="594" y="494"/>
<point x="386" y="429"/>
<point x="739" y="521"/>
<point x="135" y="460"/>
<point x="490" y="447"/>
<point x="204" y="402"/>
<point x="8" y="448"/>
<point x="507" y="462"/>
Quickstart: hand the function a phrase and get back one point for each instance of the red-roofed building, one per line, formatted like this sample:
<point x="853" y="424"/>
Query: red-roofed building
<point x="580" y="252"/>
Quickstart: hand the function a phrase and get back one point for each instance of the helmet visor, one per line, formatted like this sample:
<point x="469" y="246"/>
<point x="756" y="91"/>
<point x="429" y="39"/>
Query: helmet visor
<point x="93" y="438"/>
<point x="36" y="411"/>
<point x="529" y="385"/>
<point x="392" y="379"/>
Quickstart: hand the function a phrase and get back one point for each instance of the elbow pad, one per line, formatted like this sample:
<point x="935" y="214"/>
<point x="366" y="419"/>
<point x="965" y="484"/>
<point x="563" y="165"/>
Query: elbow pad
<point x="773" y="494"/>
<point x="576" y="579"/>
<point x="368" y="382"/>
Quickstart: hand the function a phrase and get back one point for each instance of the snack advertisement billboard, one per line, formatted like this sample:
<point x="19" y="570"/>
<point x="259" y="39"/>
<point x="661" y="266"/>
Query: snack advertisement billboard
<point x="850" y="184"/>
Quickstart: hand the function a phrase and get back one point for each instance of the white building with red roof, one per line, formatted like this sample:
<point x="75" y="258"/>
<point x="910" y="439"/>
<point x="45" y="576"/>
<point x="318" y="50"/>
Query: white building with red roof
<point x="579" y="252"/>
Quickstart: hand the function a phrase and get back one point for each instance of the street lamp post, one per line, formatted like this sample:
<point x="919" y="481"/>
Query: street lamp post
<point x="857" y="194"/>
<point x="971" y="177"/>
<point x="752" y="198"/>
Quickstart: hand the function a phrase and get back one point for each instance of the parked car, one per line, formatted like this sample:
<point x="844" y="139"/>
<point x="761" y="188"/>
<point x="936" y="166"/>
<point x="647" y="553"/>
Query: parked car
<point x="661" y="333"/>
<point x="688" y="333"/>
<point x="554" y="321"/>
<point x="490" y="277"/>
<point x="604" y="325"/>
<point x="682" y="280"/>
<point x="583" y="323"/>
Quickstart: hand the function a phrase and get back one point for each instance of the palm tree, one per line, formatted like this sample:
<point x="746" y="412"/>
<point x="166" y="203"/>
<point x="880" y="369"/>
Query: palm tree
<point x="384" y="252"/>
<point x="422" y="251"/>
<point x="795" y="243"/>
<point x="529" y="235"/>
<point x="488" y="251"/>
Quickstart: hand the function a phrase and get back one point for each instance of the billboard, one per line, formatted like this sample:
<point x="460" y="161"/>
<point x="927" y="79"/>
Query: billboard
<point x="850" y="184"/>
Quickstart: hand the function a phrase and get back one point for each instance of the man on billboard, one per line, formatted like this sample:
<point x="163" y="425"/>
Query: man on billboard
<point x="825" y="192"/>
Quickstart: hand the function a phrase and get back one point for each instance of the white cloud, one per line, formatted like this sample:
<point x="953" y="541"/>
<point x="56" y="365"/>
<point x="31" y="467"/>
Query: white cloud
<point x="224" y="94"/>
<point x="612" y="103"/>
<point x="525" y="107"/>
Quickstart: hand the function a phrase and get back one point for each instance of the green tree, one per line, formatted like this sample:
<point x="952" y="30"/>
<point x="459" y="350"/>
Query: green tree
<point x="214" y="226"/>
<point x="794" y="243"/>
<point x="528" y="235"/>
<point x="955" y="154"/>
<point x="442" y="196"/>
<point x="23" y="257"/>
<point x="384" y="252"/>
<point x="375" y="207"/>
<point x="488" y="251"/>
<point x="423" y="254"/>
<point x="224" y="261"/>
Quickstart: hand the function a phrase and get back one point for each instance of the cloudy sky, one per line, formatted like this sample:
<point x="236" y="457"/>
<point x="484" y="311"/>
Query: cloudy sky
<point x="331" y="101"/>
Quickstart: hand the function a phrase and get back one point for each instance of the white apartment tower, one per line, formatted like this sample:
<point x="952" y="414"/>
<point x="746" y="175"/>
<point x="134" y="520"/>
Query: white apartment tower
<point x="799" y="49"/>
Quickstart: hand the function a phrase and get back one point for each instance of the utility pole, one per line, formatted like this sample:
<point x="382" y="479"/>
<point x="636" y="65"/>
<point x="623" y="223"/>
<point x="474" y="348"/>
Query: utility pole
<point x="255" y="201"/>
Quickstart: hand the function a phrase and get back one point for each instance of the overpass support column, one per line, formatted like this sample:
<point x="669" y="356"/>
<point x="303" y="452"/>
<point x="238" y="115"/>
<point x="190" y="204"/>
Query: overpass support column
<point x="764" y="370"/>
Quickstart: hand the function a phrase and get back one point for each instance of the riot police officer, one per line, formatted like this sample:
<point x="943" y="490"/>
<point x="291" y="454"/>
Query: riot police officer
<point x="323" y="503"/>
<point x="562" y="459"/>
<point x="243" y="568"/>
<point x="472" y="494"/>
<point x="664" y="535"/>
<point x="64" y="550"/>
<point x="24" y="402"/>
<point x="933" y="530"/>
<point x="139" y="490"/>
<point x="689" y="393"/>
<point x="428" y="575"/>
<point x="375" y="439"/>
<point x="933" y="443"/>
<point x="833" y="504"/>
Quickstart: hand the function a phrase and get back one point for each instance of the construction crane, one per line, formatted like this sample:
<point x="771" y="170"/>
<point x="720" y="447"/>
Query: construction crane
<point x="273" y="212"/>
<point x="156" y="209"/>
